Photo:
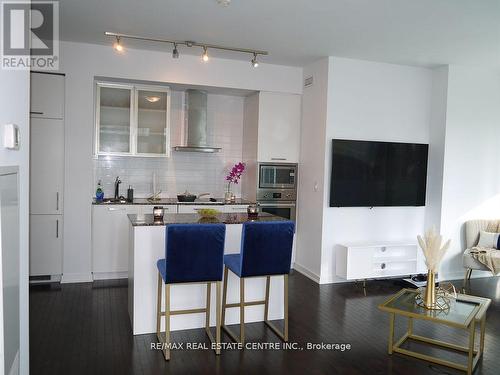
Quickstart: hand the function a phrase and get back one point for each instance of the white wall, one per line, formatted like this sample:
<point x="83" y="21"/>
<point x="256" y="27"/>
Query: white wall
<point x="437" y="133"/>
<point x="375" y="102"/>
<point x="195" y="172"/>
<point x="356" y="100"/>
<point x="471" y="182"/>
<point x="311" y="170"/>
<point x="81" y="63"/>
<point x="14" y="108"/>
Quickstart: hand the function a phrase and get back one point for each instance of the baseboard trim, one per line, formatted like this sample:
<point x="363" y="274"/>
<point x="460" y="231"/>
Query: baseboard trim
<point x="109" y="275"/>
<point x="306" y="272"/>
<point x="70" y="278"/>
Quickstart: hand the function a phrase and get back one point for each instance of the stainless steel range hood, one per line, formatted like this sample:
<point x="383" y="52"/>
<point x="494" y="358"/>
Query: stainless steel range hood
<point x="196" y="124"/>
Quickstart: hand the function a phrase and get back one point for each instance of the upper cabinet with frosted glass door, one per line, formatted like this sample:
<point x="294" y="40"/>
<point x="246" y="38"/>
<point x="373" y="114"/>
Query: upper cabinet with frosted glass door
<point x="132" y="120"/>
<point x="153" y="112"/>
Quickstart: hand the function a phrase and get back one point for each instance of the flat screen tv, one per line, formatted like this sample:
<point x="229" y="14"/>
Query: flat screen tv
<point x="374" y="174"/>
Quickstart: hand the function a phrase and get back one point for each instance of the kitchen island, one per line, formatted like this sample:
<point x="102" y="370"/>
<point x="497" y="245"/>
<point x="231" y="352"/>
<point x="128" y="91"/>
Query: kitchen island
<point x="147" y="245"/>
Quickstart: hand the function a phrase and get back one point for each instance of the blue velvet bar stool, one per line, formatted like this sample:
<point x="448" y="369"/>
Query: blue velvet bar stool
<point x="193" y="254"/>
<point x="266" y="250"/>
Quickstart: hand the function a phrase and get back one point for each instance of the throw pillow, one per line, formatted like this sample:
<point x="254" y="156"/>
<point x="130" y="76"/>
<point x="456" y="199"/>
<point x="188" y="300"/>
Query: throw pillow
<point x="488" y="239"/>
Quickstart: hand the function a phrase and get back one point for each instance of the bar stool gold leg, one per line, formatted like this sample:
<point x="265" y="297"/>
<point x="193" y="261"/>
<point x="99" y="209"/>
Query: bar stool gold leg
<point x="207" y="314"/>
<point x="285" y="282"/>
<point x="242" y="310"/>
<point x="266" y="305"/>
<point x="224" y="296"/>
<point x="158" y="307"/>
<point x="166" y="351"/>
<point x="217" y="318"/>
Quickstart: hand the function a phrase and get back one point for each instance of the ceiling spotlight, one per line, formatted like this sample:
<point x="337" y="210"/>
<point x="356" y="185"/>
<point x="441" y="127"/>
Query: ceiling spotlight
<point x="175" y="52"/>
<point x="204" y="57"/>
<point x="255" y="63"/>
<point x="117" y="45"/>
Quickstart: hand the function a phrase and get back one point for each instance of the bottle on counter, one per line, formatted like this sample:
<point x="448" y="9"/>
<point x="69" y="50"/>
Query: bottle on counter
<point x="99" y="193"/>
<point x="130" y="194"/>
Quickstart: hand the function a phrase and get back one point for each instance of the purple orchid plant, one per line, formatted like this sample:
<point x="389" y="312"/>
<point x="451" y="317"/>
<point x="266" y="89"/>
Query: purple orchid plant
<point x="235" y="174"/>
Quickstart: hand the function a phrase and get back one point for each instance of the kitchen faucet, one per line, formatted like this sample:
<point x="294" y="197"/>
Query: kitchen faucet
<point x="117" y="187"/>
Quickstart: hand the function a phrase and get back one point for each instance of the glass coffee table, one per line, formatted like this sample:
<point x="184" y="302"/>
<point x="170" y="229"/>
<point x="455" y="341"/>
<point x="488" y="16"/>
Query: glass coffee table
<point x="465" y="312"/>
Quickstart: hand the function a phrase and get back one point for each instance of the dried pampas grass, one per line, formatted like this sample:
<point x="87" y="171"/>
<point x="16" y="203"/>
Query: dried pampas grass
<point x="433" y="251"/>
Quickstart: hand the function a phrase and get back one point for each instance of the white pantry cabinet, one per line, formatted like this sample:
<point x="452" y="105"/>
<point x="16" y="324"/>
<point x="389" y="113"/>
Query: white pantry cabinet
<point x="46" y="245"/>
<point x="279" y="127"/>
<point x="47" y="166"/>
<point x="46" y="174"/>
<point x="47" y="95"/>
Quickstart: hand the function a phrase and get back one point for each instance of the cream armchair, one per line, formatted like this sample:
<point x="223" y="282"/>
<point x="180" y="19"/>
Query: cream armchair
<point x="472" y="229"/>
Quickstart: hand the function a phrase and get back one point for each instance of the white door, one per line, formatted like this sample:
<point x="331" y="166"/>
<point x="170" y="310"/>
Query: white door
<point x="9" y="270"/>
<point x="47" y="166"/>
<point x="46" y="245"/>
<point x="47" y="95"/>
<point x="279" y="127"/>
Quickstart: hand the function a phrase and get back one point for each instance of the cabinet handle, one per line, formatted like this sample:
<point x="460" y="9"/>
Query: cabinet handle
<point x="36" y="113"/>
<point x="116" y="209"/>
<point x="57" y="228"/>
<point x="57" y="201"/>
<point x="278" y="158"/>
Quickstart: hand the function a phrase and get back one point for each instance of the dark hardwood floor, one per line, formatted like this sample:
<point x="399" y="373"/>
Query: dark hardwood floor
<point x="85" y="329"/>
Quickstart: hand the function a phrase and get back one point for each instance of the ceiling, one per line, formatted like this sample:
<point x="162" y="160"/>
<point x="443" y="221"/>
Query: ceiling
<point x="297" y="32"/>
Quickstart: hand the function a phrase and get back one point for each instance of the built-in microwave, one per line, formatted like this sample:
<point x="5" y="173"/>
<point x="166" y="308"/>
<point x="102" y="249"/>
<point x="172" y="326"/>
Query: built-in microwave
<point x="277" y="176"/>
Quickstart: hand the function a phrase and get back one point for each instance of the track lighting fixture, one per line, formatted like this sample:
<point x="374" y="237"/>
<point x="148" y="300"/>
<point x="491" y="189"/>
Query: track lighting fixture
<point x="175" y="52"/>
<point x="117" y="45"/>
<point x="204" y="57"/>
<point x="254" y="61"/>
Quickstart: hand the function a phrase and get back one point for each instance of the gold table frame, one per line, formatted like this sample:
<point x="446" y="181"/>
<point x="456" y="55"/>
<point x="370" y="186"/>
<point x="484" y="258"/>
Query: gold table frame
<point x="477" y="316"/>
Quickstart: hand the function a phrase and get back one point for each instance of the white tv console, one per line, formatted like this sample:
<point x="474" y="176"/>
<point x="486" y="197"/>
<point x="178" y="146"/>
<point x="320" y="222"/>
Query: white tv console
<point x="361" y="261"/>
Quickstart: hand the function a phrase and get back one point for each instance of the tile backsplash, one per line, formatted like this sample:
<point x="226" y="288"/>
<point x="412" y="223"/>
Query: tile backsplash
<point x="195" y="172"/>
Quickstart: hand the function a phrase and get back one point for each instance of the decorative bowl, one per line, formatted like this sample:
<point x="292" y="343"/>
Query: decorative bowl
<point x="208" y="213"/>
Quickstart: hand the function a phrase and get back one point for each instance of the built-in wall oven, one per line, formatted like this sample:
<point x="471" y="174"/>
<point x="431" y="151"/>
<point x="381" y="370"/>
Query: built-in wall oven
<point x="277" y="189"/>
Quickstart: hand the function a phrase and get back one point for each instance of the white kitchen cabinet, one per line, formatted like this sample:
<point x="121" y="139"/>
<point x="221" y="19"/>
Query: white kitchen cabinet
<point x="110" y="237"/>
<point x="47" y="166"/>
<point x="236" y="208"/>
<point x="148" y="208"/>
<point x="110" y="240"/>
<point x="192" y="208"/>
<point x="278" y="127"/>
<point x="132" y="120"/>
<point x="46" y="245"/>
<point x="47" y="95"/>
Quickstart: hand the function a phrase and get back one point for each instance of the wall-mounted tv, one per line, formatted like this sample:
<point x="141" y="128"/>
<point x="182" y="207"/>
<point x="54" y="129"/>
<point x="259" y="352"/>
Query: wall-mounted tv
<point x="374" y="174"/>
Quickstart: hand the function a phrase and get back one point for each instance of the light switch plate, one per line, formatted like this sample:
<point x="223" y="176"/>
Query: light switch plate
<point x="11" y="137"/>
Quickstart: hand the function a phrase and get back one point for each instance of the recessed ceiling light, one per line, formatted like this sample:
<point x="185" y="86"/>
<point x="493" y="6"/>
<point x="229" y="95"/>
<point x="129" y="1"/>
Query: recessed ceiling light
<point x="152" y="99"/>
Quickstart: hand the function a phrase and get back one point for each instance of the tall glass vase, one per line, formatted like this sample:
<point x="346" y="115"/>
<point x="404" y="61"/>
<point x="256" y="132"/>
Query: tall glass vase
<point x="228" y="195"/>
